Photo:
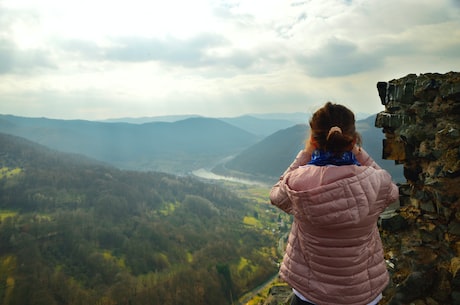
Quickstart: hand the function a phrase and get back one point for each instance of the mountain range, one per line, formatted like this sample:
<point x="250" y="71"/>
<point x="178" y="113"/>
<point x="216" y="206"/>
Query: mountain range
<point x="159" y="146"/>
<point x="258" y="148"/>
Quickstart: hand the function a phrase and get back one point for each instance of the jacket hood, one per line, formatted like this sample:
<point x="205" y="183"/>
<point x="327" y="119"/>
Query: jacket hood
<point x="334" y="196"/>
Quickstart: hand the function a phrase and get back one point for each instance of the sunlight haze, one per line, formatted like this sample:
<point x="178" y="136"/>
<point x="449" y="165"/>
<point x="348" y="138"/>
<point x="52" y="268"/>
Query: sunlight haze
<point x="107" y="59"/>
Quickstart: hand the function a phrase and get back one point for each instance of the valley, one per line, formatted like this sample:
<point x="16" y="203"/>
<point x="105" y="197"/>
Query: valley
<point x="95" y="213"/>
<point x="81" y="232"/>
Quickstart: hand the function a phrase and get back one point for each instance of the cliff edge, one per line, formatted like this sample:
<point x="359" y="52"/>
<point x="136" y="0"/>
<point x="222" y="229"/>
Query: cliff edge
<point x="422" y="238"/>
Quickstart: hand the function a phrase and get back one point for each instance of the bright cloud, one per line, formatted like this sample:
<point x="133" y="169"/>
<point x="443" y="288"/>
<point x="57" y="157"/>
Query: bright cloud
<point x="104" y="59"/>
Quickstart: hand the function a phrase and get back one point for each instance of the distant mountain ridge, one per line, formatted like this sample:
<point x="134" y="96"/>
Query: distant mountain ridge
<point x="260" y="125"/>
<point x="172" y="147"/>
<point x="293" y="118"/>
<point x="256" y="148"/>
<point x="142" y="120"/>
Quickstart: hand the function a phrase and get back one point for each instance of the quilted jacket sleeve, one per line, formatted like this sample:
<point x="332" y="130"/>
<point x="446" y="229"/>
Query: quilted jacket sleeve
<point x="393" y="192"/>
<point x="278" y="194"/>
<point x="388" y="191"/>
<point x="363" y="157"/>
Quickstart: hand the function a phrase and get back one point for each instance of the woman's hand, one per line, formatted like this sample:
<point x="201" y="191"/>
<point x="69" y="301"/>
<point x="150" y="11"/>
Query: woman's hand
<point x="310" y="145"/>
<point x="356" y="150"/>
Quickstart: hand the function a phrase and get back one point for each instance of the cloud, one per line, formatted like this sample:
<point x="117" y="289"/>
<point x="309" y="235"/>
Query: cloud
<point x="363" y="37"/>
<point x="170" y="56"/>
<point x="79" y="48"/>
<point x="338" y="58"/>
<point x="202" y="51"/>
<point x="186" y="52"/>
<point x="135" y="49"/>
<point x="16" y="60"/>
<point x="16" y="54"/>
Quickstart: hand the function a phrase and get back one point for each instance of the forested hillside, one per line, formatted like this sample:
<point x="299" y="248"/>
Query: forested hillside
<point x="73" y="231"/>
<point x="267" y="159"/>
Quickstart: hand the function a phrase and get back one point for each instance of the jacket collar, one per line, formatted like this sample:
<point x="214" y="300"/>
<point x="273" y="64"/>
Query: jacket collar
<point x="323" y="158"/>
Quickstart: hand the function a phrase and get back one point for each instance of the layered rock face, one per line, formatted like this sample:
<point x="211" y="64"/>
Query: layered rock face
<point x="421" y="123"/>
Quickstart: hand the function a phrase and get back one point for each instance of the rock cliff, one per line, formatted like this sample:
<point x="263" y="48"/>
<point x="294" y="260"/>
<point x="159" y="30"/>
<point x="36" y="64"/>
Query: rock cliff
<point x="421" y="236"/>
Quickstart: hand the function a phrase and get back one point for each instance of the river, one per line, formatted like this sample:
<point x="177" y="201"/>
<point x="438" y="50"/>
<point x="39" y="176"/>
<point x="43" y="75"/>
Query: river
<point x="206" y="174"/>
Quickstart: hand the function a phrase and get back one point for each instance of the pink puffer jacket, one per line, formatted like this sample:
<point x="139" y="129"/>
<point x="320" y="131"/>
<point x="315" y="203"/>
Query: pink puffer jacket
<point x="334" y="253"/>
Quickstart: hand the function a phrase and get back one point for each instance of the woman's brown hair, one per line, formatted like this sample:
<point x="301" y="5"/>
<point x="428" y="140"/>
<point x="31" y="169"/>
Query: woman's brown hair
<point x="333" y="128"/>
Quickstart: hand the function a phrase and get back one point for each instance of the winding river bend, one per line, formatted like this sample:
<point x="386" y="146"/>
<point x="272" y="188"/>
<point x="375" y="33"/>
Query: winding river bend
<point x="206" y="174"/>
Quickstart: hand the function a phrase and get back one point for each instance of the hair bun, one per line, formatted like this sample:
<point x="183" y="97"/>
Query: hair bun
<point x="333" y="130"/>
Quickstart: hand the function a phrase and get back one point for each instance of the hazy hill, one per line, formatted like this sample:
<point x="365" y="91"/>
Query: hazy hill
<point x="268" y="158"/>
<point x="172" y="147"/>
<point x="299" y="117"/>
<point x="259" y="126"/>
<point x="73" y="231"/>
<point x="142" y="120"/>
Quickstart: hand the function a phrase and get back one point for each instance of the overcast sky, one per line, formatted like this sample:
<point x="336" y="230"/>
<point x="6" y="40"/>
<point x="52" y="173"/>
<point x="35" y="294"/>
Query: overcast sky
<point x="98" y="59"/>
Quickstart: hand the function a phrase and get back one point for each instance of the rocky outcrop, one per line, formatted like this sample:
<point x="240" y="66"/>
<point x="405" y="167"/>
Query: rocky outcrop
<point x="279" y="295"/>
<point x="421" y="123"/>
